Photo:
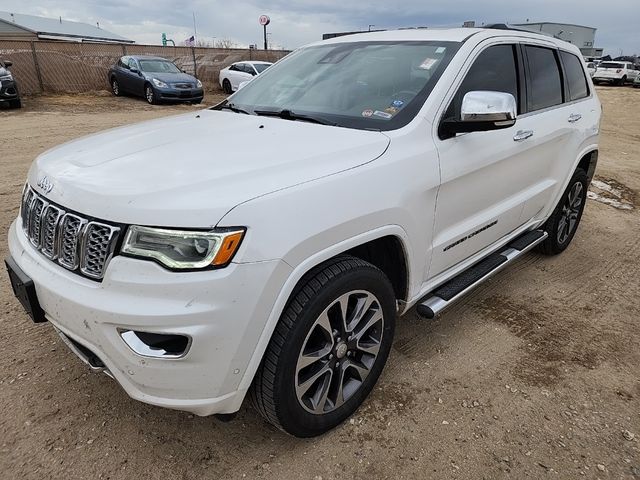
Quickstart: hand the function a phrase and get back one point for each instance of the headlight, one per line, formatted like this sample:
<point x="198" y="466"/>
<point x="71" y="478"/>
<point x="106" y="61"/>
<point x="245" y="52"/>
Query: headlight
<point x="183" y="249"/>
<point x="199" y="84"/>
<point x="160" y="83"/>
<point x="7" y="78"/>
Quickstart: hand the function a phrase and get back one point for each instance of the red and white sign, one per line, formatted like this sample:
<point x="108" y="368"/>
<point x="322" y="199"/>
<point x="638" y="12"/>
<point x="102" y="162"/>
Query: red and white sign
<point x="264" y="20"/>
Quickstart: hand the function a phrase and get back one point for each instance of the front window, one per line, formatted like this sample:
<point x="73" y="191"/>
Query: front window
<point x="365" y="85"/>
<point x="158" y="66"/>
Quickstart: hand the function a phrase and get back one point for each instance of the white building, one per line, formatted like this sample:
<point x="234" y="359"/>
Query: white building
<point x="581" y="36"/>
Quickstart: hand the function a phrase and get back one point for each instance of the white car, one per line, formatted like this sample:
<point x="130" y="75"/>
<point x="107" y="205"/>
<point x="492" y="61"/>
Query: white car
<point x="591" y="68"/>
<point x="617" y="73"/>
<point x="232" y="76"/>
<point x="273" y="259"/>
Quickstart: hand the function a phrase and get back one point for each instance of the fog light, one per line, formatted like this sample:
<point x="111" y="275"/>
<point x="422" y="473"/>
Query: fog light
<point x="156" y="345"/>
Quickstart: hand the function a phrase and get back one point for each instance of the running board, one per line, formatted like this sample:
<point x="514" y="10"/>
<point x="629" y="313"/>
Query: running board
<point x="446" y="294"/>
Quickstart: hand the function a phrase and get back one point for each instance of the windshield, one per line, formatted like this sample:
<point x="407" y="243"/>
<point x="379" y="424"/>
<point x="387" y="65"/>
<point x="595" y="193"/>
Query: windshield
<point x="367" y="85"/>
<point x="611" y="65"/>
<point x="260" y="67"/>
<point x="158" y="66"/>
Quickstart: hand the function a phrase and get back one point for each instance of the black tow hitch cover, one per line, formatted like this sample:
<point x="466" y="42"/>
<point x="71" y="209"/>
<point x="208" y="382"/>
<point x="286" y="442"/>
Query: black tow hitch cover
<point x="25" y="291"/>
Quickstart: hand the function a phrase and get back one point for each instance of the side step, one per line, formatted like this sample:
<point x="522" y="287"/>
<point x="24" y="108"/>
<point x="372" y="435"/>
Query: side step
<point x="458" y="286"/>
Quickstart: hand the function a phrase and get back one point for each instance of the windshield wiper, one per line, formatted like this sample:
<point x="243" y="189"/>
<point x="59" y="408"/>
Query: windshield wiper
<point x="287" y="114"/>
<point x="233" y="108"/>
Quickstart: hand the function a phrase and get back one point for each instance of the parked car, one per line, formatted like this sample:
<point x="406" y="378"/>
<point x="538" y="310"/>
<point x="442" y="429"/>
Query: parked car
<point x="636" y="82"/>
<point x="154" y="78"/>
<point x="240" y="72"/>
<point x="591" y="68"/>
<point x="265" y="247"/>
<point x="617" y="73"/>
<point x="8" y="86"/>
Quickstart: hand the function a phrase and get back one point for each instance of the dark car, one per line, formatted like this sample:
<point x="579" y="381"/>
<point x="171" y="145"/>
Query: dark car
<point x="154" y="78"/>
<point x="8" y="86"/>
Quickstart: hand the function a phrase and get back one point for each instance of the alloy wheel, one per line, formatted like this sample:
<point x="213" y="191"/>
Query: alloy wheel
<point x="570" y="212"/>
<point x="149" y="94"/>
<point x="115" y="87"/>
<point x="339" y="352"/>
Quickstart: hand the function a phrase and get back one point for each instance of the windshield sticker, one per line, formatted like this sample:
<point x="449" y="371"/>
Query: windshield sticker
<point x="428" y="63"/>
<point x="440" y="49"/>
<point x="397" y="103"/>
<point x="367" y="113"/>
<point x="381" y="114"/>
<point x="391" y="110"/>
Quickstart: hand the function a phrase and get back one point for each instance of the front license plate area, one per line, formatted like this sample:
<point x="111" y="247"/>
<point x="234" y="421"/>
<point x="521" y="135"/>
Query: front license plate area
<point x="25" y="291"/>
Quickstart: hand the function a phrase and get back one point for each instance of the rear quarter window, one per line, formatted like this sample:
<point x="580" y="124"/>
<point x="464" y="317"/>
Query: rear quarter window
<point x="545" y="79"/>
<point x="576" y="79"/>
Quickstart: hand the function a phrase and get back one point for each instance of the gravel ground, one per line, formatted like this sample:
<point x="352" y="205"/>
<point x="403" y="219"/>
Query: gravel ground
<point x="534" y="375"/>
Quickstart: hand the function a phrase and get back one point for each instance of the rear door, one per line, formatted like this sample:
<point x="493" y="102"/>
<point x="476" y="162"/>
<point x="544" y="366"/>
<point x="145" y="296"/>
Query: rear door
<point x="559" y="114"/>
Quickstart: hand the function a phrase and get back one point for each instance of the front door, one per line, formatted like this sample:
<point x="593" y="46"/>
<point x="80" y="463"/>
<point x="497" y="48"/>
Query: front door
<point x="483" y="185"/>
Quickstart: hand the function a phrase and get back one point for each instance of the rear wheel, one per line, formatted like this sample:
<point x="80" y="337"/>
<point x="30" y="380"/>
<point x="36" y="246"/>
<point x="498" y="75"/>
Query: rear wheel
<point x="226" y="86"/>
<point x="150" y="94"/>
<point x="328" y="349"/>
<point x="563" y="222"/>
<point x="622" y="81"/>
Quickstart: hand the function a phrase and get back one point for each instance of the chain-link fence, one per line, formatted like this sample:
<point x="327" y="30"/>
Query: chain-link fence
<point x="64" y="67"/>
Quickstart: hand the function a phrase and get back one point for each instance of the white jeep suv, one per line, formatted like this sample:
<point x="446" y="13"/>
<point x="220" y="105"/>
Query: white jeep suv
<point x="267" y="245"/>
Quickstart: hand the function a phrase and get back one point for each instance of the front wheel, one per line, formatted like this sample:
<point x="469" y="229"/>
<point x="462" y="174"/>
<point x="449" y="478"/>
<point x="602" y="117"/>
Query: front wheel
<point x="226" y="86"/>
<point x="15" y="103"/>
<point x="115" y="87"/>
<point x="150" y="95"/>
<point x="328" y="349"/>
<point x="563" y="222"/>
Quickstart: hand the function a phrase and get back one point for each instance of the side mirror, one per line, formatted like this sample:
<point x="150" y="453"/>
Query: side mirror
<point x="7" y="63"/>
<point x="483" y="111"/>
<point x="135" y="70"/>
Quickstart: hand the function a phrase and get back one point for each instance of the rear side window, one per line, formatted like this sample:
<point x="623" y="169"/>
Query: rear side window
<point x="494" y="70"/>
<point x="545" y="87"/>
<point x="575" y="76"/>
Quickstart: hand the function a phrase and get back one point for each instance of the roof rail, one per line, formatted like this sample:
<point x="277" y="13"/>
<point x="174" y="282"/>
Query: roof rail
<point x="506" y="26"/>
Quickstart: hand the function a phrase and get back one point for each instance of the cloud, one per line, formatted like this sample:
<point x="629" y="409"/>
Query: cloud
<point x="296" y="22"/>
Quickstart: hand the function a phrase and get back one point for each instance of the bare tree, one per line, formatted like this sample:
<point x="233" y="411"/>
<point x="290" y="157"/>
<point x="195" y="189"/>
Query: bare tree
<point x="225" y="43"/>
<point x="204" y="43"/>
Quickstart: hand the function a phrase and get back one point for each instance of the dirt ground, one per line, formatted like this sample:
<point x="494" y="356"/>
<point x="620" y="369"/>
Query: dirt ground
<point x="534" y="375"/>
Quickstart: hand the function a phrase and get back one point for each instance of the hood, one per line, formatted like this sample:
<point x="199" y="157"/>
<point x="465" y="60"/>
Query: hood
<point x="172" y="77"/>
<point x="190" y="170"/>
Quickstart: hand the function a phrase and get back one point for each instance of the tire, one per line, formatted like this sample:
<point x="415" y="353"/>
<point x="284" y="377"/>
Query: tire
<point x="115" y="87"/>
<point x="15" y="103"/>
<point x="342" y="366"/>
<point x="150" y="94"/>
<point x="622" y="81"/>
<point x="226" y="86"/>
<point x="563" y="222"/>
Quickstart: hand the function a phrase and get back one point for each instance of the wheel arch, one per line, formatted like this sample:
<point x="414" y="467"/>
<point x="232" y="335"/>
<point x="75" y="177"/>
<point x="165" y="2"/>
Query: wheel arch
<point x="363" y="245"/>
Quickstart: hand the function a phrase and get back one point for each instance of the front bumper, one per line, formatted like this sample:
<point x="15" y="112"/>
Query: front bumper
<point x="180" y="95"/>
<point x="8" y="91"/>
<point x="223" y="311"/>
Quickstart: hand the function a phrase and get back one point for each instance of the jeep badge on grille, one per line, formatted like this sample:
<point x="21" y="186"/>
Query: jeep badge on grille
<point x="45" y="184"/>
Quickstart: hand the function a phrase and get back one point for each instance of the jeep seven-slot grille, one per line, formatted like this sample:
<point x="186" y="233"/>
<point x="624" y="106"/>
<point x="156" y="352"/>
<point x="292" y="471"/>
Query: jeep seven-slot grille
<point x="77" y="243"/>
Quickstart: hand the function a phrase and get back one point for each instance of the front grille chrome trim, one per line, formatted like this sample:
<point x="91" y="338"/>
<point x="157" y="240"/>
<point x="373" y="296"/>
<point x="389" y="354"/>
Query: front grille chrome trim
<point x="74" y="241"/>
<point x="97" y="248"/>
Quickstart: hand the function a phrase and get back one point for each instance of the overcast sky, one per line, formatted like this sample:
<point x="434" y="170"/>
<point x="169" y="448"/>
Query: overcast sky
<point x="296" y="22"/>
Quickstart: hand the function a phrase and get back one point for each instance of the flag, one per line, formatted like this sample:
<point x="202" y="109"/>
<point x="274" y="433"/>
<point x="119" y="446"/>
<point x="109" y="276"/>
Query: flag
<point x="190" y="42"/>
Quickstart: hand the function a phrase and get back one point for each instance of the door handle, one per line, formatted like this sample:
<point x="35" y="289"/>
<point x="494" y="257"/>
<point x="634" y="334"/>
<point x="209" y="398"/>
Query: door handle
<point x="574" y="117"/>
<point x="522" y="135"/>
